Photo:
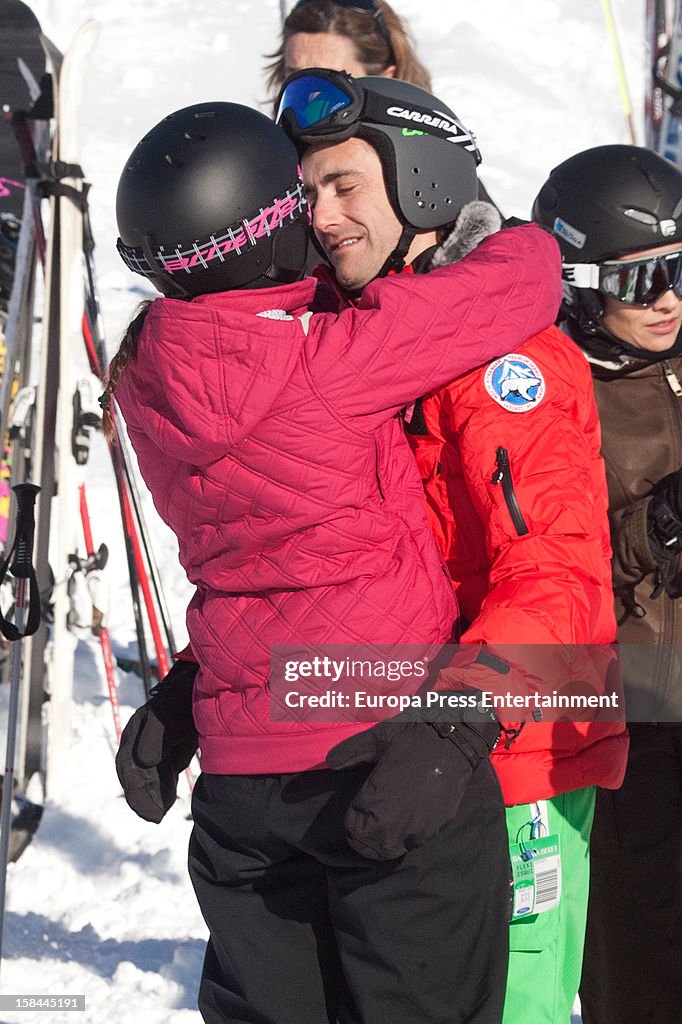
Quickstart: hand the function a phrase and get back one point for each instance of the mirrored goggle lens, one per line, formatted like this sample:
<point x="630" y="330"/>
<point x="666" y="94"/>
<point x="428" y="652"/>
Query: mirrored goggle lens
<point x="641" y="283"/>
<point x="312" y="101"/>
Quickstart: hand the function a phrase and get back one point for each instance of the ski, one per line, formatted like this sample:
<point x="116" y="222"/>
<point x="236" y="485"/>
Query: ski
<point x="21" y="57"/>
<point x="663" y="94"/>
<point x="62" y="344"/>
<point x="26" y="101"/>
<point x="657" y="40"/>
<point x="22" y="74"/>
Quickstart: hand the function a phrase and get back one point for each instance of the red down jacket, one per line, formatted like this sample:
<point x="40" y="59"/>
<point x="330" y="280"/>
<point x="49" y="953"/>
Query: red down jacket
<point x="277" y="457"/>
<point x="551" y="585"/>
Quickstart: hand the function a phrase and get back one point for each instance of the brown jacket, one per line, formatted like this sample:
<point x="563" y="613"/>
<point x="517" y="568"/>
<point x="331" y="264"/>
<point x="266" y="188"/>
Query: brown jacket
<point x="640" y="407"/>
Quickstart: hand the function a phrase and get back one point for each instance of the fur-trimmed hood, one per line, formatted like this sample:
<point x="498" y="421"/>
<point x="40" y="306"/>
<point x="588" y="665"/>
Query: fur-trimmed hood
<point x="476" y="221"/>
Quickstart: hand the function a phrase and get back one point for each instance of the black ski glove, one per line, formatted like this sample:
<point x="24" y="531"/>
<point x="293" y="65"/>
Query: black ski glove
<point x="421" y="772"/>
<point x="158" y="743"/>
<point x="664" y="517"/>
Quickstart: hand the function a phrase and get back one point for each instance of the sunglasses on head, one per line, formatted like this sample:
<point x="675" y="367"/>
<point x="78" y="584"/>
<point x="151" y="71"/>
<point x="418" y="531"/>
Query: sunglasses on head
<point x="632" y="282"/>
<point x="362" y="7"/>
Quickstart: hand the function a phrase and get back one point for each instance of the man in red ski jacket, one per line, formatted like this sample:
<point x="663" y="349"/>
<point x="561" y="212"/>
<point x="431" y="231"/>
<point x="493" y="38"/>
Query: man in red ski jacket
<point x="516" y="495"/>
<point x="517" y="502"/>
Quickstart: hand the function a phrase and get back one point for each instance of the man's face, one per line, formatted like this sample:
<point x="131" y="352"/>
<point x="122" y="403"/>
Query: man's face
<point x="352" y="218"/>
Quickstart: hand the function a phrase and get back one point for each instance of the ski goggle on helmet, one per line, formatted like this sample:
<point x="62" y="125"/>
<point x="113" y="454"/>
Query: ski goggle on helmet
<point x="634" y="282"/>
<point x="317" y="104"/>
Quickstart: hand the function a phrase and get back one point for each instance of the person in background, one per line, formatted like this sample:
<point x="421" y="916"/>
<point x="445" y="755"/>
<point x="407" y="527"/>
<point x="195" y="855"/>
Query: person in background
<point x="616" y="212"/>
<point x="510" y="463"/>
<point x="271" y="444"/>
<point x="362" y="37"/>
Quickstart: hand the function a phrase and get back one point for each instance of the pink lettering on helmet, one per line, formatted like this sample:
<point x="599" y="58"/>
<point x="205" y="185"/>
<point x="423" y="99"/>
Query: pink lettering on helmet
<point x="282" y="209"/>
<point x="237" y="238"/>
<point x="180" y="263"/>
<point x="259" y="225"/>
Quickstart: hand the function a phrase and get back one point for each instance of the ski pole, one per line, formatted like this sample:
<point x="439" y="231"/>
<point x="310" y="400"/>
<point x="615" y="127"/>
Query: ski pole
<point x="131" y="509"/>
<point x="146" y="545"/>
<point x="133" y="574"/>
<point x="94" y="351"/>
<point x="105" y="643"/>
<point x="161" y="653"/>
<point x="22" y="570"/>
<point x="620" y="69"/>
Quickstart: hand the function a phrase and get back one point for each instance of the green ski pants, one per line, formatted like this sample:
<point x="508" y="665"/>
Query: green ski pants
<point x="546" y="949"/>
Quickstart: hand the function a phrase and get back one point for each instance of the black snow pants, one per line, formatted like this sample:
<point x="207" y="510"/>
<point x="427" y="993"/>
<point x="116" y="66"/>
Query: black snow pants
<point x="303" y="930"/>
<point x="632" y="970"/>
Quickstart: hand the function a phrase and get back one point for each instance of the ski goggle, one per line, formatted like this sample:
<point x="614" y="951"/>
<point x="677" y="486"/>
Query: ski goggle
<point x="317" y="103"/>
<point x="362" y="7"/>
<point x="635" y="282"/>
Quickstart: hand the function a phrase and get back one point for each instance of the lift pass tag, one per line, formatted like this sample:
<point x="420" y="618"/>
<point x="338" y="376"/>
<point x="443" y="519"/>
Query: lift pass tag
<point x="536" y="870"/>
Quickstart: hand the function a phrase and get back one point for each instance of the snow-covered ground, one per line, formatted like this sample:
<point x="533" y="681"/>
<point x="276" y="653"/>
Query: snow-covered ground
<point x="100" y="903"/>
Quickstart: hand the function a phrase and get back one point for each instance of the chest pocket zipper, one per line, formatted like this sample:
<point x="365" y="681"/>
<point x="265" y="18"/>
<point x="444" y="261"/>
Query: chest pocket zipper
<point x="502" y="475"/>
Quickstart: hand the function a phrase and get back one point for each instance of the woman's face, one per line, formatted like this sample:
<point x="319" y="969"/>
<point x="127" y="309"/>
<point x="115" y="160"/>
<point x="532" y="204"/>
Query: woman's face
<point x="654" y="328"/>
<point x="324" y="50"/>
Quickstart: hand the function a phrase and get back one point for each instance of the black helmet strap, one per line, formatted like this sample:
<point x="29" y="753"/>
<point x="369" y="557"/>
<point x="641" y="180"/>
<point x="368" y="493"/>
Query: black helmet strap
<point x="587" y="307"/>
<point x="396" y="260"/>
<point x="382" y="146"/>
<point x="289" y="251"/>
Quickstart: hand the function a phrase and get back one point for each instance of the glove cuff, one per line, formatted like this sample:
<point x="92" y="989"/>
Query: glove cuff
<point x="476" y="734"/>
<point x="176" y="689"/>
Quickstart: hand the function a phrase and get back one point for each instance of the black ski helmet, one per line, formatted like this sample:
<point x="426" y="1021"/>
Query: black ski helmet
<point x="610" y="201"/>
<point x="210" y="200"/>
<point x="429" y="178"/>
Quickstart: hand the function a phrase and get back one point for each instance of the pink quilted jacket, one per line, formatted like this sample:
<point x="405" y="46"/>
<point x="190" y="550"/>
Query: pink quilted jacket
<point x="272" y="447"/>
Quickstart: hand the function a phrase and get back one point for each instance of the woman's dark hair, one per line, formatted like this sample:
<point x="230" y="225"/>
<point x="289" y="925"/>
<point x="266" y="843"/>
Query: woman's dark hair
<point x="371" y="47"/>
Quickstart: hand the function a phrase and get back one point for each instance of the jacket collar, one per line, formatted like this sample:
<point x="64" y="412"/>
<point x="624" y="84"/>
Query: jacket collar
<point x="611" y="358"/>
<point x="279" y="301"/>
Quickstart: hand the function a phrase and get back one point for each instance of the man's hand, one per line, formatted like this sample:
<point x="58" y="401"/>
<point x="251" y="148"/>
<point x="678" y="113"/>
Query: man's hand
<point x="158" y="743"/>
<point x="421" y="772"/>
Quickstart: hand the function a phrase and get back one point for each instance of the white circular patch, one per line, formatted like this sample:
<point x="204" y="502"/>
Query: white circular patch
<point x="515" y="382"/>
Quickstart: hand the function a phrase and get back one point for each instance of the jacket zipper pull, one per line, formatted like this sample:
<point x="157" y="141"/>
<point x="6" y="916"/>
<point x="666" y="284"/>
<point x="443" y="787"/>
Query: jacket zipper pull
<point x="672" y="379"/>
<point x="502" y="475"/>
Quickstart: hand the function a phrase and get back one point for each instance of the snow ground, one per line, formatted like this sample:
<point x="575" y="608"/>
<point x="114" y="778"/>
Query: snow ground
<point x="100" y="903"/>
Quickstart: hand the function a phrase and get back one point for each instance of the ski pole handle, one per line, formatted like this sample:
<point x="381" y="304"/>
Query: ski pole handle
<point x="22" y="565"/>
